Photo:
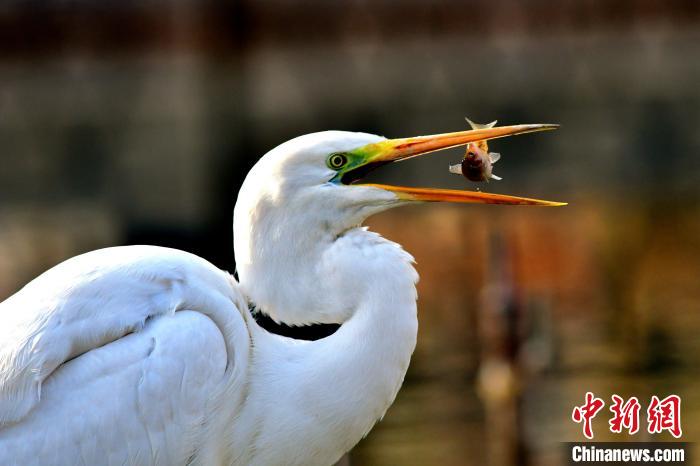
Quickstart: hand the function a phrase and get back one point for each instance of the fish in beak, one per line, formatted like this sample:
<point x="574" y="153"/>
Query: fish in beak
<point x="366" y="158"/>
<point x="477" y="163"/>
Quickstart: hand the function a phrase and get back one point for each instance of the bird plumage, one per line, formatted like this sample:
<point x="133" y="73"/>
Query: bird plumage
<point x="150" y="356"/>
<point x="122" y="349"/>
<point x="146" y="355"/>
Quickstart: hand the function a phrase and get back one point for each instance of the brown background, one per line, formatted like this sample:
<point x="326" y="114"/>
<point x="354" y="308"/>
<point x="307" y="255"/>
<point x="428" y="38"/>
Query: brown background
<point x="136" y="121"/>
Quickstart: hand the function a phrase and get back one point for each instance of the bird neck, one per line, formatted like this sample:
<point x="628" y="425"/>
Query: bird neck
<point x="299" y="268"/>
<point x="323" y="396"/>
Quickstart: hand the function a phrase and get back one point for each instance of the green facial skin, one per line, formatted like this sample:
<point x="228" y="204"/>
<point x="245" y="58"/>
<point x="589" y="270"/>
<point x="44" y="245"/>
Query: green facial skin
<point x="360" y="157"/>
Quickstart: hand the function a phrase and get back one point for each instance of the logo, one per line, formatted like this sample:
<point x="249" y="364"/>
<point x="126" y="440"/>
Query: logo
<point x="661" y="415"/>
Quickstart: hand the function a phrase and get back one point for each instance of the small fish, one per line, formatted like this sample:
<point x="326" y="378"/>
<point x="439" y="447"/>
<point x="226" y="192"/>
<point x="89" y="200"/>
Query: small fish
<point x="477" y="164"/>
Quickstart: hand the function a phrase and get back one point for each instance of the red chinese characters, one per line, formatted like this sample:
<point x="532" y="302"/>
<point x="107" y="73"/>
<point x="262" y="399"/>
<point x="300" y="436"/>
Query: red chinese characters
<point x="665" y="415"/>
<point x="586" y="412"/>
<point x="662" y="415"/>
<point x="625" y="415"/>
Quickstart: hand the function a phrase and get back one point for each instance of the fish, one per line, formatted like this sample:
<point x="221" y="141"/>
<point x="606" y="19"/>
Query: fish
<point x="477" y="164"/>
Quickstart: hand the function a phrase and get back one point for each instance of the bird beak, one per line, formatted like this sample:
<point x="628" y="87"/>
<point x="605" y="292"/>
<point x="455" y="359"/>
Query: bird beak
<point x="376" y="154"/>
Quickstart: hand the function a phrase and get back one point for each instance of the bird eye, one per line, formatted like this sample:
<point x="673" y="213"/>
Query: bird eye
<point x="336" y="161"/>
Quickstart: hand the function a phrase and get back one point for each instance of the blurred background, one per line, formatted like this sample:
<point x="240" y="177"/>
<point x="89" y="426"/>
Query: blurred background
<point x="129" y="122"/>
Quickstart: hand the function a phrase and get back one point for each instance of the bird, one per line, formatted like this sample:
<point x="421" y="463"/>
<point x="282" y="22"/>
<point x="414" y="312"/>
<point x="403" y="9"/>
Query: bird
<point x="145" y="355"/>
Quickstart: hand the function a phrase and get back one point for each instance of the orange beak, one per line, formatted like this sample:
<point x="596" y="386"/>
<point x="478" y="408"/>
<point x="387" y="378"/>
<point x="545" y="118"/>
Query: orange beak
<point x="393" y="150"/>
<point x="464" y="197"/>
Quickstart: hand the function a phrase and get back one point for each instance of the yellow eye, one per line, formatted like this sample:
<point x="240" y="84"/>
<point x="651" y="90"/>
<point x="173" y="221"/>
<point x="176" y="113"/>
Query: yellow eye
<point x="336" y="161"/>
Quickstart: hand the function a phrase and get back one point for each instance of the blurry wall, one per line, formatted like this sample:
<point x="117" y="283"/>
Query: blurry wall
<point x="135" y="122"/>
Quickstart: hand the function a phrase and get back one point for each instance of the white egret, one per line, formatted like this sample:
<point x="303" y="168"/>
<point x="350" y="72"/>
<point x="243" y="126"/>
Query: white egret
<point x="145" y="355"/>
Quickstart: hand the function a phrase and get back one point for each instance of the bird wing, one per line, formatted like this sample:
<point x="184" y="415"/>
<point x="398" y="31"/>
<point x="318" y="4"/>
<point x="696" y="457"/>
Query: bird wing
<point x="123" y="352"/>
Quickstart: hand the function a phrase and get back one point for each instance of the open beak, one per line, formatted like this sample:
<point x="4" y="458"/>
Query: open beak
<point x="393" y="150"/>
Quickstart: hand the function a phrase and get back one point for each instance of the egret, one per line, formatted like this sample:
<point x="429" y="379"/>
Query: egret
<point x="144" y="355"/>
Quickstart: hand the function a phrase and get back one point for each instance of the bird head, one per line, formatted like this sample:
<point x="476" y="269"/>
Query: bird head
<point x="303" y="195"/>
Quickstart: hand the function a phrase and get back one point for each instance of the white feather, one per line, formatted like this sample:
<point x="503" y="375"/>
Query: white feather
<point x="148" y="356"/>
